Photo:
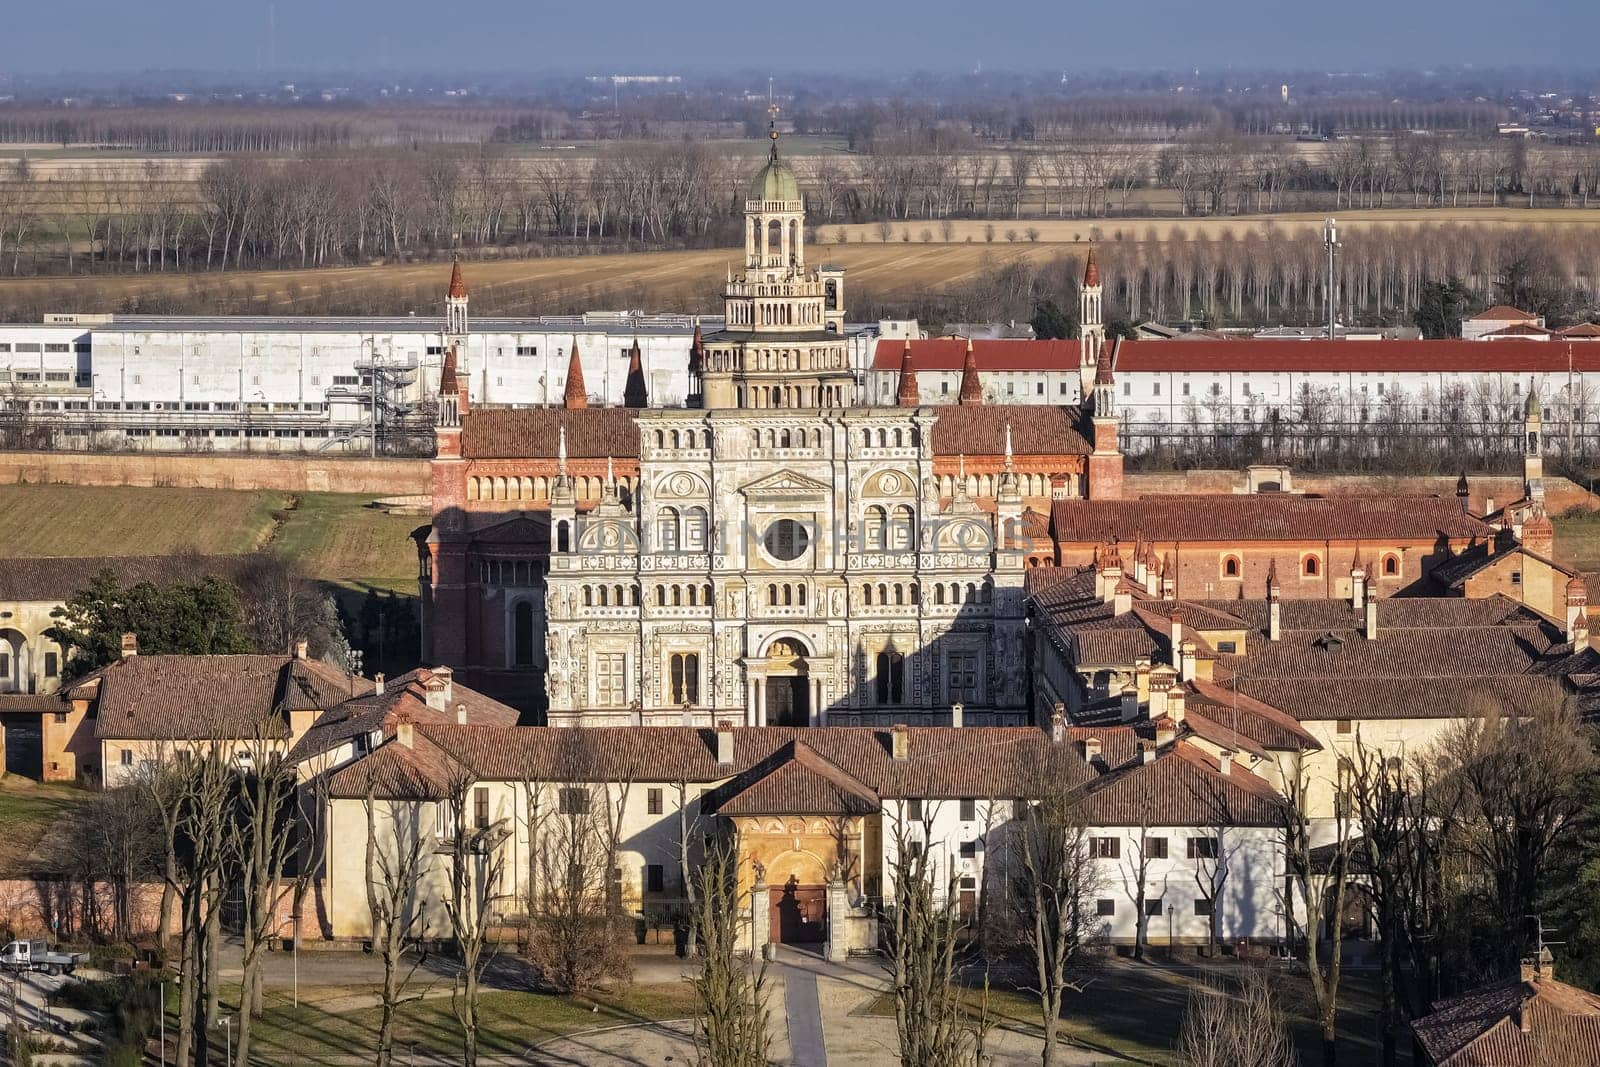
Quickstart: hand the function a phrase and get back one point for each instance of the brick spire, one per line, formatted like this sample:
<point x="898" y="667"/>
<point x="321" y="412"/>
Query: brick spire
<point x="971" y="387"/>
<point x="1091" y="270"/>
<point x="908" y="396"/>
<point x="1102" y="373"/>
<point x="458" y="284"/>
<point x="576" y="396"/>
<point x="634" y="392"/>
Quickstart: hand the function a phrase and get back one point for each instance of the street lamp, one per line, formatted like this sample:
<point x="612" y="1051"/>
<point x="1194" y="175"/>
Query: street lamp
<point x="1172" y="910"/>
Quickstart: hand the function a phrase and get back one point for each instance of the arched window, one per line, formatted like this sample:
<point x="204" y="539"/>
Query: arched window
<point x="883" y="593"/>
<point x="684" y="668"/>
<point x="899" y="593"/>
<point x="784" y="440"/>
<point x="800" y="595"/>
<point x="563" y="536"/>
<point x="874" y="532"/>
<point x="890" y="680"/>
<point x="661" y="596"/>
<point x="588" y="597"/>
<point x="1310" y="567"/>
<point x="788" y="596"/>
<point x="901" y="528"/>
<point x="1391" y="565"/>
<point x="667" y="529"/>
<point x="772" y="596"/>
<point x="605" y="597"/>
<point x="677" y="596"/>
<point x="705" y="597"/>
<point x="938" y="594"/>
<point x="866" y="594"/>
<point x="1230" y="566"/>
<point x="694" y="528"/>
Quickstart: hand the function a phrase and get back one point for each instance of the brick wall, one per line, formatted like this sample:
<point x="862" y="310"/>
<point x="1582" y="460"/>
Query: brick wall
<point x="296" y="474"/>
<point x="1560" y="493"/>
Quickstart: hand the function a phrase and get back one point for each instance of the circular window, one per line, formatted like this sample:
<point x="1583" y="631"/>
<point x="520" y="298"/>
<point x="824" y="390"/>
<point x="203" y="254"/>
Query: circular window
<point x="786" y="540"/>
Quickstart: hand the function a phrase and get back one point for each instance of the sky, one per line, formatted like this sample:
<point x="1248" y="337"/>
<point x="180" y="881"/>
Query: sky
<point x="595" y="36"/>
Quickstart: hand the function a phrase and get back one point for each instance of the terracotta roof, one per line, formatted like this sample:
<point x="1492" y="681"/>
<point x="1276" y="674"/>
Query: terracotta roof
<point x="395" y="772"/>
<point x="980" y="430"/>
<point x="447" y="373"/>
<point x="212" y="697"/>
<point x="54" y="579"/>
<point x="31" y="703"/>
<point x="1519" y="1023"/>
<point x="796" y="781"/>
<point x="1503" y="312"/>
<point x="1182" y="786"/>
<point x="1382" y="357"/>
<point x="949" y="354"/>
<point x="1091" y="270"/>
<point x="1403" y="698"/>
<point x="577" y="394"/>
<point x="1518" y="329"/>
<point x="1581" y="330"/>
<point x="402" y="697"/>
<point x="1454" y="572"/>
<point x="944" y="762"/>
<point x="1264" y="517"/>
<point x="458" y="284"/>
<point x="522" y="433"/>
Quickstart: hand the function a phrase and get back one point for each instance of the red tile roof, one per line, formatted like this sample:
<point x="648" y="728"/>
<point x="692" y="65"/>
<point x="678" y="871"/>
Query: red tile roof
<point x="1504" y="312"/>
<point x="797" y="781"/>
<point x="980" y="430"/>
<point x="1379" y="357"/>
<point x="1182" y="786"/>
<point x="1264" y="517"/>
<point x="1519" y="1023"/>
<point x="949" y="354"/>
<point x="534" y="433"/>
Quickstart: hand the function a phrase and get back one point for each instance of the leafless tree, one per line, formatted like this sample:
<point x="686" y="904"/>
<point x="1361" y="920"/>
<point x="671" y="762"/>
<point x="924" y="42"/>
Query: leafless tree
<point x="731" y="1024"/>
<point x="574" y="939"/>
<point x="207" y="786"/>
<point x="1055" y="881"/>
<point x="476" y="861"/>
<point x="1228" y="1024"/>
<point x="1318" y="879"/>
<point x="396" y="855"/>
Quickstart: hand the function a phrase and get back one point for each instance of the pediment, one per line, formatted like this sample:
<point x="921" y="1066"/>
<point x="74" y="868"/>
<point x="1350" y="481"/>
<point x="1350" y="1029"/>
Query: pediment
<point x="518" y="530"/>
<point x="786" y="484"/>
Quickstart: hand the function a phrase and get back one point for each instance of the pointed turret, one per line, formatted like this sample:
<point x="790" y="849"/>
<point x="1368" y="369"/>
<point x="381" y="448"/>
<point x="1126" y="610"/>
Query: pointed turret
<point x="971" y="386"/>
<point x="455" y="302"/>
<point x="1091" y="320"/>
<point x="634" y="392"/>
<point x="1105" y="462"/>
<point x="1091" y="271"/>
<point x="577" y="396"/>
<point x="458" y="284"/>
<point x="908" y="395"/>
<point x="452" y="392"/>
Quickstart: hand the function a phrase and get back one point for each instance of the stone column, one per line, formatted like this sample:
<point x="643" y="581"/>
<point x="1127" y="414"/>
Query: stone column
<point x="760" y="917"/>
<point x="838" y="946"/>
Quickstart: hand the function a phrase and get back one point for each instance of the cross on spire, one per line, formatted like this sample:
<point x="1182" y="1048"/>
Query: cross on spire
<point x="772" y="128"/>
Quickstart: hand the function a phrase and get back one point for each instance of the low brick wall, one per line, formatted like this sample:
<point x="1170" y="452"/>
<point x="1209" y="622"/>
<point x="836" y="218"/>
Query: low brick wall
<point x="294" y="474"/>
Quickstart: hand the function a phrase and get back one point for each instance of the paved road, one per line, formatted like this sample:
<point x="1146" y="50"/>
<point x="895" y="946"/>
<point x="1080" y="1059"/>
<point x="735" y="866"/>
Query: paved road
<point x="806" y="1047"/>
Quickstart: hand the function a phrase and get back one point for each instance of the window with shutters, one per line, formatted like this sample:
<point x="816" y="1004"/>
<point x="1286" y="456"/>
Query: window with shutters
<point x="1202" y="848"/>
<point x="653" y="801"/>
<point x="1105" y="848"/>
<point x="890" y="683"/>
<point x="654" y="878"/>
<point x="1152" y="906"/>
<point x="611" y="679"/>
<point x="914" y="809"/>
<point x="573" y="800"/>
<point x="969" y="809"/>
<point x="1155" y="848"/>
<point x="964" y="671"/>
<point x="1104" y="906"/>
<point x="480" y="808"/>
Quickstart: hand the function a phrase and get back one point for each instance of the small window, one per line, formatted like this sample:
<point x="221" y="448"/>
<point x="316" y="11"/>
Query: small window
<point x="969" y="849"/>
<point x="127" y="757"/>
<point x="1342" y="726"/>
<point x="573" y="800"/>
<point x="1230" y="567"/>
<point x="1202" y="848"/>
<point x="969" y="809"/>
<point x="1516" y="577"/>
<point x="914" y="809"/>
<point x="654" y="878"/>
<point x="52" y="665"/>
<point x="61" y="717"/>
<point x="1155" y="848"/>
<point x="1105" y="848"/>
<point x="1391" y="565"/>
<point x="653" y="802"/>
<point x="1152" y="906"/>
<point x="1227" y="646"/>
<point x="1310" y="567"/>
<point x="1202" y="906"/>
<point x="1105" y="906"/>
<point x="480" y="808"/>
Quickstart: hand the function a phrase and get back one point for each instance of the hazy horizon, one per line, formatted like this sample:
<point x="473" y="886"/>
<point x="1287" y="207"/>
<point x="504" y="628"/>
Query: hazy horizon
<point x="99" y="38"/>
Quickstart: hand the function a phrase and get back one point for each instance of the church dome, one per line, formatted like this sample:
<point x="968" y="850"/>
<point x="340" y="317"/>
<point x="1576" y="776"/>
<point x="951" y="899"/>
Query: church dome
<point x="775" y="181"/>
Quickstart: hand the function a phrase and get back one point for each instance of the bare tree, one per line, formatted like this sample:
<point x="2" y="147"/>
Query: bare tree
<point x="1055" y="881"/>
<point x="207" y="785"/>
<point x="395" y="903"/>
<point x="1318" y="878"/>
<point x="731" y="1025"/>
<point x="1236" y="1025"/>
<point x="476" y="863"/>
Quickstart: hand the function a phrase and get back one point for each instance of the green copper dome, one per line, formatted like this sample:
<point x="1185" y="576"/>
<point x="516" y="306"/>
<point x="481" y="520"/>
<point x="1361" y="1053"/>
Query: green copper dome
<point x="775" y="181"/>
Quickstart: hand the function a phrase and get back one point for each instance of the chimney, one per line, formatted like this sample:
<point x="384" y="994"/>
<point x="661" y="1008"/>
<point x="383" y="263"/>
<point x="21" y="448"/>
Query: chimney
<point x="1130" y="703"/>
<point x="1091" y="749"/>
<point x="130" y="645"/>
<point x="1187" y="661"/>
<point x="445" y="679"/>
<point x="1177" y="636"/>
<point x="956" y="710"/>
<point x="403" y="733"/>
<point x="1488" y="505"/>
<point x="1165" y="735"/>
<point x="1121" y="603"/>
<point x="300" y="649"/>
<point x="899" y="742"/>
<point x="1225" y="762"/>
<point x="1147" y="752"/>
<point x="1058" y="723"/>
<point x="1577" y="611"/>
<point x="1175" y="705"/>
<point x="1274" y="603"/>
<point x="377" y="685"/>
<point x="1463" y="493"/>
<point x="461" y="715"/>
<point x="724" y="744"/>
<point x="1358" y="586"/>
<point x="1371" y="627"/>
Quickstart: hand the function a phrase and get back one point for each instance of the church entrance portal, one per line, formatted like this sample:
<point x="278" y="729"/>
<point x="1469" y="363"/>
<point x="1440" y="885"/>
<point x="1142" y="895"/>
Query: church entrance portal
<point x="788" y="684"/>
<point x="799" y="913"/>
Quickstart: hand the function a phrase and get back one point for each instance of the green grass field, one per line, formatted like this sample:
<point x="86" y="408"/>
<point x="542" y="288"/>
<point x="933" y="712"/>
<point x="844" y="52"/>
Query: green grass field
<point x="1578" y="540"/>
<point x="29" y="809"/>
<point x="336" y="537"/>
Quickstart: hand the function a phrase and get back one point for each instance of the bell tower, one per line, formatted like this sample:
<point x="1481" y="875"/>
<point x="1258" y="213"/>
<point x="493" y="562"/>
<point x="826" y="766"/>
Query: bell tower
<point x="783" y="343"/>
<point x="1091" y="325"/>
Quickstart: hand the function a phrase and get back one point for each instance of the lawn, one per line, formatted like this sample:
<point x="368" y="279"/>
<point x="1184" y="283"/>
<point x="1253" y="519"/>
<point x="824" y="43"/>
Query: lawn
<point x="338" y="538"/>
<point x="1578" y="539"/>
<point x="1135" y="1011"/>
<point x="29" y="809"/>
<point x="512" y="1021"/>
